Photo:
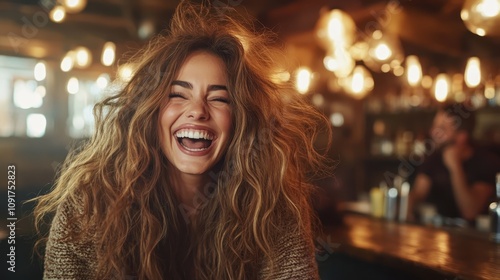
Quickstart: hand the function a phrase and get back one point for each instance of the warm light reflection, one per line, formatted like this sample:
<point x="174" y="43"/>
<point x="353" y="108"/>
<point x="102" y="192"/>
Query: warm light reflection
<point x="473" y="72"/>
<point x="40" y="71"/>
<point x="73" y="85"/>
<point x="36" y="125"/>
<point x="413" y="70"/>
<point x="108" y="54"/>
<point x="442" y="87"/>
<point x="303" y="79"/>
<point x="57" y="14"/>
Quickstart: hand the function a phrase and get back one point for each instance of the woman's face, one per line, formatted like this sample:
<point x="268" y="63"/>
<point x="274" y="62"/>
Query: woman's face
<point x="195" y="124"/>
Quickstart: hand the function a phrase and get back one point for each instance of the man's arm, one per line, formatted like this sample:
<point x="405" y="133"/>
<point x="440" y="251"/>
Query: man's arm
<point x="470" y="200"/>
<point x="418" y="193"/>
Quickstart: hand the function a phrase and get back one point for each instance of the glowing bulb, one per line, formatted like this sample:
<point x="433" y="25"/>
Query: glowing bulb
<point x="108" y="54"/>
<point x="74" y="6"/>
<point x="35" y="125"/>
<point x="398" y="71"/>
<point x="481" y="17"/>
<point x="340" y="63"/>
<point x="126" y="72"/>
<point x="73" y="85"/>
<point x="488" y="8"/>
<point x="340" y="28"/>
<point x="335" y="29"/>
<point x="57" y="14"/>
<point x="385" y="68"/>
<point x="489" y="90"/>
<point x="280" y="77"/>
<point x="377" y="34"/>
<point x="318" y="99"/>
<point x="40" y="71"/>
<point x="337" y="119"/>
<point x="464" y="15"/>
<point x="68" y="62"/>
<point x="102" y="81"/>
<point x="358" y="81"/>
<point x="382" y="52"/>
<point x="303" y="80"/>
<point x="473" y="72"/>
<point x="83" y="57"/>
<point x="414" y="70"/>
<point x="481" y="32"/>
<point x="441" y="88"/>
<point x="426" y="82"/>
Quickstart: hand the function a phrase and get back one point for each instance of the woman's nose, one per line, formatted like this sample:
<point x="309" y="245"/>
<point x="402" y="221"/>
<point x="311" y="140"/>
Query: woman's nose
<point x="198" y="110"/>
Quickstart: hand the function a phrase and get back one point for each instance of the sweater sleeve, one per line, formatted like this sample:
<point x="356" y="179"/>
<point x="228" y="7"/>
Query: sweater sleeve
<point x="295" y="259"/>
<point x="68" y="259"/>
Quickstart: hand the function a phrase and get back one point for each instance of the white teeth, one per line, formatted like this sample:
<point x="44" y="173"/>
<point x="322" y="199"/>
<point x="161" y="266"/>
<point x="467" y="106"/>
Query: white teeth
<point x="194" y="134"/>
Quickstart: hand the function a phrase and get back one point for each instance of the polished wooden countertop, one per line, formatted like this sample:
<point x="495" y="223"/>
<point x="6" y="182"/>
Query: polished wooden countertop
<point x="427" y="252"/>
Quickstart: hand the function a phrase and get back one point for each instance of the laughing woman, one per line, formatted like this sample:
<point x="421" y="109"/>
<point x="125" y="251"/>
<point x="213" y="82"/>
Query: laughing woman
<point x="197" y="169"/>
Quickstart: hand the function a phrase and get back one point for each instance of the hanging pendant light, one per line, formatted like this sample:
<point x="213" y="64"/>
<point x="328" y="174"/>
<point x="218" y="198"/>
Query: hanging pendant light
<point x="473" y="72"/>
<point x="359" y="83"/>
<point x="74" y="6"/>
<point x="482" y="17"/>
<point x="441" y="87"/>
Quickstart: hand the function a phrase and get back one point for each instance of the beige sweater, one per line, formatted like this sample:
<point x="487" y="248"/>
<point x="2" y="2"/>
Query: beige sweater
<point x="77" y="260"/>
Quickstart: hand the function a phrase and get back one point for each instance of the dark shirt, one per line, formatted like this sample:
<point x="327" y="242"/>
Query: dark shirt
<point x="481" y="167"/>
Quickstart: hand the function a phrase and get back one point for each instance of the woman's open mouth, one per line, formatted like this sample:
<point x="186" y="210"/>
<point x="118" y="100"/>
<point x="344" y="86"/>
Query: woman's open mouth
<point x="194" y="140"/>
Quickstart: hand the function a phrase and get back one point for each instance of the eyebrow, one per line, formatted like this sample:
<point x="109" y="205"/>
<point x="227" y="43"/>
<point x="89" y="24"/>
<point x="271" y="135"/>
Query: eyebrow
<point x="188" y="85"/>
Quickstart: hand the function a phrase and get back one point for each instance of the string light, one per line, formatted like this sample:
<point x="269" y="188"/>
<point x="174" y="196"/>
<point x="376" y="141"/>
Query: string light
<point x="303" y="79"/>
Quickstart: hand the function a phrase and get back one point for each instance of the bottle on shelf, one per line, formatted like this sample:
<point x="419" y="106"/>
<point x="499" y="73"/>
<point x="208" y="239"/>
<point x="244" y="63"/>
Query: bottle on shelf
<point x="495" y="214"/>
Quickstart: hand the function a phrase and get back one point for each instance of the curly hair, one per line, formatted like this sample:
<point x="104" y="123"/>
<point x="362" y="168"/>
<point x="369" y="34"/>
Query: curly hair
<point x="259" y="192"/>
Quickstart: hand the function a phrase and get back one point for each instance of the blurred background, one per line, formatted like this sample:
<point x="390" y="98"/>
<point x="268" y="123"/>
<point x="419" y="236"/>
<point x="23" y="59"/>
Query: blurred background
<point x="377" y="69"/>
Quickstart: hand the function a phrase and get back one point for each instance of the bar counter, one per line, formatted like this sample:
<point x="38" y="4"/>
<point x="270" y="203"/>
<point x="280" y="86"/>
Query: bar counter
<point x="424" y="252"/>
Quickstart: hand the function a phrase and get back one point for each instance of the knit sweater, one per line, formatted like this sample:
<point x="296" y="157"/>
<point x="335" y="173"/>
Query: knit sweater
<point x="78" y="260"/>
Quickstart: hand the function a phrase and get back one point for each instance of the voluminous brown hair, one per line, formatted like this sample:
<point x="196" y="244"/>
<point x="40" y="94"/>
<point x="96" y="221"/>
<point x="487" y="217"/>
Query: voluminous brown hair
<point x="259" y="193"/>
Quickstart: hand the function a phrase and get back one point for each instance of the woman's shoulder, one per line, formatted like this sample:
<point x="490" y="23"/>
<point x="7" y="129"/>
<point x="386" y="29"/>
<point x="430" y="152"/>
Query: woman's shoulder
<point x="295" y="258"/>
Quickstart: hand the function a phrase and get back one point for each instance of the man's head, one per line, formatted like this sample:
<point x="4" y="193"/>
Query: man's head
<point x="453" y="123"/>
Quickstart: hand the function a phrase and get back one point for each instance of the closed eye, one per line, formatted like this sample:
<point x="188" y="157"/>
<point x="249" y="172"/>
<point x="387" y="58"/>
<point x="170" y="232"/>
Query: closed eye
<point x="220" y="99"/>
<point x="176" y="95"/>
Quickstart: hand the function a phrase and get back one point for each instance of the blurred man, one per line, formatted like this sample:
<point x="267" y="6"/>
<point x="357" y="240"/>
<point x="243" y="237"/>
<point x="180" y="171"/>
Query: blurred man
<point x="458" y="178"/>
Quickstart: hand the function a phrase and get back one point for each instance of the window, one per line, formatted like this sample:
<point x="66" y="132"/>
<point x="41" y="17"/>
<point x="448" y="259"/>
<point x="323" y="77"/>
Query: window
<point x="84" y="93"/>
<point x="22" y="97"/>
